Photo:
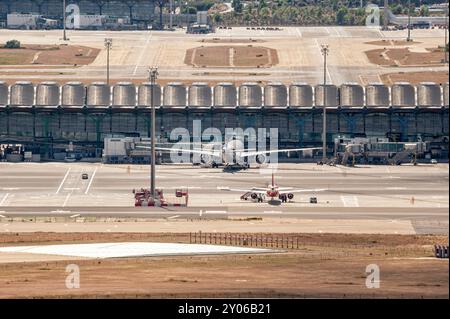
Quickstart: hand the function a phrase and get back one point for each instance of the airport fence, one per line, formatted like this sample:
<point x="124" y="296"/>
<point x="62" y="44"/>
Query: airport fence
<point x="250" y="240"/>
<point x="320" y="249"/>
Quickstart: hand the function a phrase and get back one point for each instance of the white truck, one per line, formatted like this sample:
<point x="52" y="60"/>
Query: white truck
<point x="22" y="21"/>
<point x="88" y="21"/>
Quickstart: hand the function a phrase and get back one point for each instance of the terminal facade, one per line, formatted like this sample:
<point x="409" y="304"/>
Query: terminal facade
<point x="48" y="129"/>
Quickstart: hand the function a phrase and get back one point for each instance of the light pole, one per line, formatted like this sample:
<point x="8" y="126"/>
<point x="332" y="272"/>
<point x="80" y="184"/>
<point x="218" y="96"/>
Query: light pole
<point x="409" y="21"/>
<point x="64" y="21"/>
<point x="445" y="35"/>
<point x="386" y="15"/>
<point x="324" y="49"/>
<point x="171" y="14"/>
<point x="108" y="46"/>
<point x="153" y="74"/>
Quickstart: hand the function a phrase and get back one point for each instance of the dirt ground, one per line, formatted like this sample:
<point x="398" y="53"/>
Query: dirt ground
<point x="405" y="57"/>
<point x="392" y="42"/>
<point x="415" y="77"/>
<point x="231" y="40"/>
<point x="231" y="56"/>
<point x="48" y="55"/>
<point x="326" y="265"/>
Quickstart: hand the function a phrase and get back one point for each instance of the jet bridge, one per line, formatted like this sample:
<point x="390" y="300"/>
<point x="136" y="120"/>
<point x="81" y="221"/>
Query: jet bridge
<point x="377" y="151"/>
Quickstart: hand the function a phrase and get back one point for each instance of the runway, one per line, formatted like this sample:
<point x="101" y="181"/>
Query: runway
<point x="415" y="193"/>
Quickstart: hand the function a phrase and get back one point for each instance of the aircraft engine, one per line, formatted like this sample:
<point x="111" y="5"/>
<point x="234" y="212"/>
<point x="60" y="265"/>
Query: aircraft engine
<point x="290" y="196"/>
<point x="261" y="159"/>
<point x="282" y="197"/>
<point x="254" y="196"/>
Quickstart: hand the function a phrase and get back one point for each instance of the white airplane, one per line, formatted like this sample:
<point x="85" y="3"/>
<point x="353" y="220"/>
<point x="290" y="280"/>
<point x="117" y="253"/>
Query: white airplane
<point x="230" y="154"/>
<point x="273" y="191"/>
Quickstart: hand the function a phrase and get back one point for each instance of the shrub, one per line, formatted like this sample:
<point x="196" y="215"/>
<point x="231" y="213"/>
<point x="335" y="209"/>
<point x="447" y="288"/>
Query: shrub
<point x="12" y="44"/>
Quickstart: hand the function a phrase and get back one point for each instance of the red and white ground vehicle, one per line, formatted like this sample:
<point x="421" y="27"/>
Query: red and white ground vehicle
<point x="143" y="197"/>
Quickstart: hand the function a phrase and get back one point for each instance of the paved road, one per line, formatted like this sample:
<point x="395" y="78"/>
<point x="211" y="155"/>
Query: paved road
<point x="224" y="211"/>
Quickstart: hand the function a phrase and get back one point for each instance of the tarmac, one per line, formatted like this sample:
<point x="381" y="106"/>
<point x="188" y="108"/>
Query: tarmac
<point x="298" y="50"/>
<point x="415" y="197"/>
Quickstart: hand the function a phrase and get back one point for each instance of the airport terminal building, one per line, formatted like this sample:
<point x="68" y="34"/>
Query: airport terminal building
<point x="47" y="118"/>
<point x="141" y="9"/>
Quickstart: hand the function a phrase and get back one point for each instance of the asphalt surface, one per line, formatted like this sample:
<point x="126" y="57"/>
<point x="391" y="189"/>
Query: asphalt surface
<point x="415" y="193"/>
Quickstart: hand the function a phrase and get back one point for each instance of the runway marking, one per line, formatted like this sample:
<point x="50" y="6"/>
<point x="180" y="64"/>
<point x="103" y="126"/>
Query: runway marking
<point x="67" y="199"/>
<point x="273" y="212"/>
<point x="350" y="201"/>
<point x="10" y="188"/>
<point x="64" y="179"/>
<point x="338" y="33"/>
<point x="142" y="53"/>
<point x="2" y="216"/>
<point x="298" y="32"/>
<point x="90" y="182"/>
<point x="172" y="217"/>
<point x="75" y="216"/>
<point x="4" y="199"/>
<point x="216" y="212"/>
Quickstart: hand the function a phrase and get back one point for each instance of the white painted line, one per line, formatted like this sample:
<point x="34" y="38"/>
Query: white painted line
<point x="75" y="216"/>
<point x="10" y="188"/>
<point x="90" y="182"/>
<point x="66" y="200"/>
<point x="64" y="179"/>
<point x="171" y="217"/>
<point x="71" y="189"/>
<point x="298" y="32"/>
<point x="2" y="216"/>
<point x="60" y="211"/>
<point x="350" y="201"/>
<point x="144" y="51"/>
<point x="216" y="212"/>
<point x="273" y="212"/>
<point x="4" y="199"/>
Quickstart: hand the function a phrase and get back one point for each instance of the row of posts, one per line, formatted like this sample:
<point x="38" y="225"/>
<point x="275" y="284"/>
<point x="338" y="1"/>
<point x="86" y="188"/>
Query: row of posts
<point x="251" y="240"/>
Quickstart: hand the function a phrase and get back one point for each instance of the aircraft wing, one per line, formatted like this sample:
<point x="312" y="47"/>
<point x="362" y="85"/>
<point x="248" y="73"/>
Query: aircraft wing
<point x="247" y="154"/>
<point x="183" y="150"/>
<point x="292" y="190"/>
<point x="252" y="190"/>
